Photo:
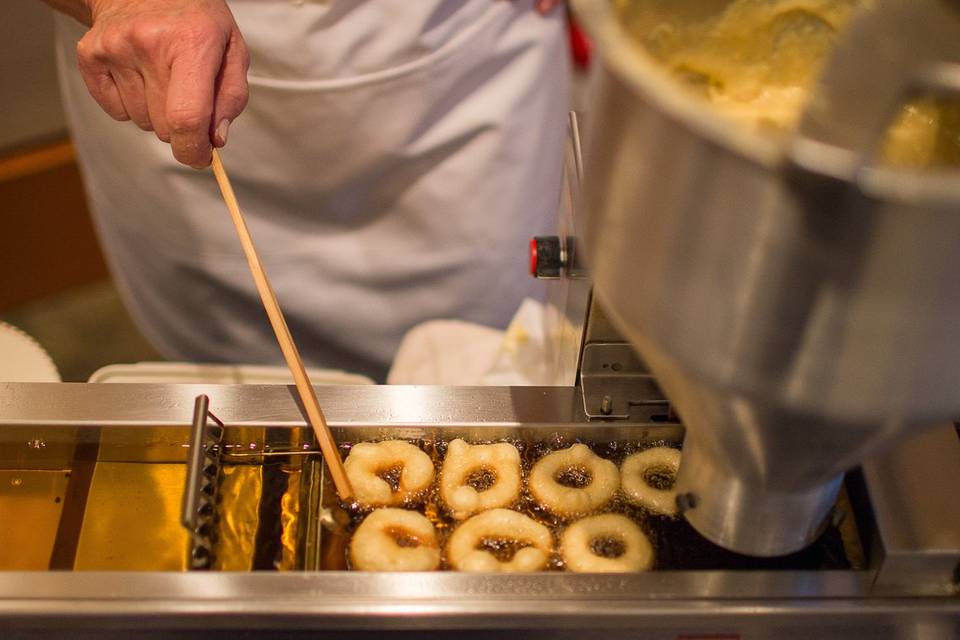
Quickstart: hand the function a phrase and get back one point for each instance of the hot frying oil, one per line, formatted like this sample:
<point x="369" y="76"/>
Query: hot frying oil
<point x="677" y="545"/>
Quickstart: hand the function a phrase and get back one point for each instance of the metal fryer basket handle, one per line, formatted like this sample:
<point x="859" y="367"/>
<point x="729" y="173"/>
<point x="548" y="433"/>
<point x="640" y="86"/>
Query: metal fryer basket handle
<point x="197" y="513"/>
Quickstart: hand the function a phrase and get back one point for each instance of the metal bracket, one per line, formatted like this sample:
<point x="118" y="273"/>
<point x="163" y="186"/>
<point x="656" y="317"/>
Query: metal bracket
<point x="198" y="513"/>
<point x="617" y="384"/>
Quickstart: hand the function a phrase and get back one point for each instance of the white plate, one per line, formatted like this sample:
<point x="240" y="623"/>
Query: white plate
<point x="22" y="359"/>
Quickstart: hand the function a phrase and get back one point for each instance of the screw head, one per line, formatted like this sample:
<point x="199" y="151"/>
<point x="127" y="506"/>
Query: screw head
<point x="606" y="405"/>
<point x="686" y="501"/>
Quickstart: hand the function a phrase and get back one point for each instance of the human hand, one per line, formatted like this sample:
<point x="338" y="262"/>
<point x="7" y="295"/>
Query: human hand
<point x="175" y="67"/>
<point x="546" y="6"/>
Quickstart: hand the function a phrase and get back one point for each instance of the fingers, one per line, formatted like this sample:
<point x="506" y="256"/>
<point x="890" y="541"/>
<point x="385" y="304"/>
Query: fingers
<point x="190" y="97"/>
<point x="156" y="78"/>
<point x="231" y="91"/>
<point x="155" y="88"/>
<point x="177" y="67"/>
<point x="546" y="6"/>
<point x="109" y="69"/>
<point x="131" y="88"/>
<point x="100" y="83"/>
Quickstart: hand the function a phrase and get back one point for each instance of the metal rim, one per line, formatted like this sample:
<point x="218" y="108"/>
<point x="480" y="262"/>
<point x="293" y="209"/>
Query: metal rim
<point x="647" y="78"/>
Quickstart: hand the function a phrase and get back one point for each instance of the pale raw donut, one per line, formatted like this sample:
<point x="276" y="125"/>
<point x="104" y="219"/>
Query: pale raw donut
<point x="564" y="501"/>
<point x="502" y="460"/>
<point x="368" y="460"/>
<point x="395" y="540"/>
<point x="580" y="555"/>
<point x="464" y="552"/>
<point x="633" y="479"/>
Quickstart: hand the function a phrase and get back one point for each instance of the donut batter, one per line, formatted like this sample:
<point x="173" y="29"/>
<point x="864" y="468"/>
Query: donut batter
<point x="756" y="61"/>
<point x="501" y="461"/>
<point x="594" y="481"/>
<point x="585" y="543"/>
<point x="395" y="540"/>
<point x="465" y="550"/>
<point x="388" y="473"/>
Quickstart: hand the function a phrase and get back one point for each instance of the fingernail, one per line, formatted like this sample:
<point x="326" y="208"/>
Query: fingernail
<point x="222" y="129"/>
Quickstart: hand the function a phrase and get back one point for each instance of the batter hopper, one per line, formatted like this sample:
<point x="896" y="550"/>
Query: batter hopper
<point x="797" y="299"/>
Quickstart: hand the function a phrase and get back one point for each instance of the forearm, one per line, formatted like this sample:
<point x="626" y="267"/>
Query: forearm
<point x="77" y="9"/>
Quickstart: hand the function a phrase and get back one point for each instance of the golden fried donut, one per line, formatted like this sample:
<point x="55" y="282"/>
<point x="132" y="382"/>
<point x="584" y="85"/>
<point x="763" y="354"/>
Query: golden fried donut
<point x="608" y="543"/>
<point x="573" y="481"/>
<point x="637" y="473"/>
<point x="395" y="540"/>
<point x="474" y="545"/>
<point x="388" y="473"/>
<point x="477" y="477"/>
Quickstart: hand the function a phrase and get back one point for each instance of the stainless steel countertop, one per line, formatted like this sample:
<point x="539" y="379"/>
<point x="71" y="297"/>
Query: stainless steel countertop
<point x="442" y="600"/>
<point x="84" y="404"/>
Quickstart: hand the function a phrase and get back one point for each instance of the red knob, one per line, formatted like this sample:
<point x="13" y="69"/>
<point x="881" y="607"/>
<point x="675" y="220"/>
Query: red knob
<point x="545" y="257"/>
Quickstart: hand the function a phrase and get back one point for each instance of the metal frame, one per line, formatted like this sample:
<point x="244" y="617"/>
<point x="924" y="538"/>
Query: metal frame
<point x="885" y="601"/>
<point x="566" y="604"/>
<point x="99" y="405"/>
<point x="914" y="491"/>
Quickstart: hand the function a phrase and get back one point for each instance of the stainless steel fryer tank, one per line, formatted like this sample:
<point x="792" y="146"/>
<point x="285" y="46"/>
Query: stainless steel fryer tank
<point x="903" y="587"/>
<point x="801" y="315"/>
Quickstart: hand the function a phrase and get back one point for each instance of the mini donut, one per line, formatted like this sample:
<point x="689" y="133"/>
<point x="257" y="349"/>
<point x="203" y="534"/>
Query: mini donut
<point x="580" y="551"/>
<point x="395" y="540"/>
<point x="465" y="550"/>
<point x="369" y="462"/>
<point x="634" y="479"/>
<point x="601" y="481"/>
<point x="501" y="461"/>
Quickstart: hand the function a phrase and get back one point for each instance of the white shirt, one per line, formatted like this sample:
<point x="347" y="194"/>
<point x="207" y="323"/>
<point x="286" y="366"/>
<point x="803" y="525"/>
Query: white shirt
<point x="393" y="161"/>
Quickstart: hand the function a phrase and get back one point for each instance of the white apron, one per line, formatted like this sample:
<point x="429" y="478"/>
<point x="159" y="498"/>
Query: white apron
<point x="394" y="159"/>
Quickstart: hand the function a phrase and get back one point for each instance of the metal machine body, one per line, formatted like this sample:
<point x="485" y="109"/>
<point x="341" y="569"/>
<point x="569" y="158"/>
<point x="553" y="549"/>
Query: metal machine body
<point x="797" y="304"/>
<point x="904" y="587"/>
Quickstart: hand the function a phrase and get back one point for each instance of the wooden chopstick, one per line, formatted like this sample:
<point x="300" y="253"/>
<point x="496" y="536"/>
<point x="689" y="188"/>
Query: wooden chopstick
<point x="307" y="394"/>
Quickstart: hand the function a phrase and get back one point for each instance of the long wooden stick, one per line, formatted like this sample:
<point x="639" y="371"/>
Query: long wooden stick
<point x="307" y="394"/>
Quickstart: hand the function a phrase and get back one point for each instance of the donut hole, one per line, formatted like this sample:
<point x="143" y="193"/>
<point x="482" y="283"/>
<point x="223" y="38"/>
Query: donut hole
<point x="481" y="478"/>
<point x="391" y="475"/>
<point x="575" y="477"/>
<point x="660" y="478"/>
<point x="403" y="537"/>
<point x="608" y="546"/>
<point x="503" y="549"/>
